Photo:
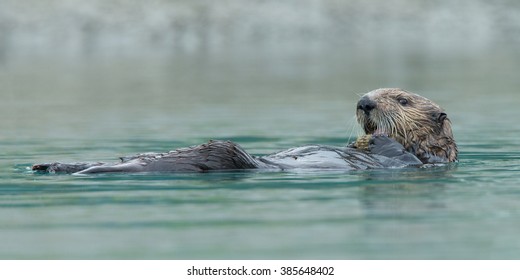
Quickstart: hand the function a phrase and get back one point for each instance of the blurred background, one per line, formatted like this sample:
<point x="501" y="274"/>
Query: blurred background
<point x="208" y="69"/>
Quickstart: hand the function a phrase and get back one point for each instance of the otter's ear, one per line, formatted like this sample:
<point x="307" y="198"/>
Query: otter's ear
<point x="440" y="117"/>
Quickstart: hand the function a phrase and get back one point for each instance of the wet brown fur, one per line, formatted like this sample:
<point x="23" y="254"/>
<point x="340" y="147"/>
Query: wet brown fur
<point x="420" y="125"/>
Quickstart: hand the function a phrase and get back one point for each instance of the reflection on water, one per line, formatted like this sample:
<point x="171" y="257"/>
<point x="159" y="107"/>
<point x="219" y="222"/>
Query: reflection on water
<point x="467" y="210"/>
<point x="100" y="105"/>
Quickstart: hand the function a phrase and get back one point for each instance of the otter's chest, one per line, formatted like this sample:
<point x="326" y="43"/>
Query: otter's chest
<point x="321" y="157"/>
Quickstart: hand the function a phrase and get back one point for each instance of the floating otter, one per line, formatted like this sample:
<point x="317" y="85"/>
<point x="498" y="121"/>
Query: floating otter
<point x="402" y="129"/>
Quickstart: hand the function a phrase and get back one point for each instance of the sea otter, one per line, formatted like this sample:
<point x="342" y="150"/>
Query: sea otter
<point x="402" y="129"/>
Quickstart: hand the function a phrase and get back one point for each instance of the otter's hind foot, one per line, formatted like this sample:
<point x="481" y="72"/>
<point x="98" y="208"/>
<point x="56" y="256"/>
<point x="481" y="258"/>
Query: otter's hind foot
<point x="58" y="167"/>
<point x="389" y="147"/>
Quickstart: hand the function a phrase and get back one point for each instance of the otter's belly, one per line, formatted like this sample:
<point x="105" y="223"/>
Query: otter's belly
<point x="322" y="157"/>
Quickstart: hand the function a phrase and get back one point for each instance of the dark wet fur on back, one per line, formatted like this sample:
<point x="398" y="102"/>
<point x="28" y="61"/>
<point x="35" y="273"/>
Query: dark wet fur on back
<point x="214" y="155"/>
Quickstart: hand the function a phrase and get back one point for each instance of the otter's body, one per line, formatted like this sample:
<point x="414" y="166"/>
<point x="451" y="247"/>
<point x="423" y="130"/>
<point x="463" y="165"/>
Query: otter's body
<point x="226" y="155"/>
<point x="402" y="129"/>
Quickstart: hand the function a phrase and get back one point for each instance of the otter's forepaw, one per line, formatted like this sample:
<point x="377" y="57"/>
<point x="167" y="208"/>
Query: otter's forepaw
<point x="363" y="142"/>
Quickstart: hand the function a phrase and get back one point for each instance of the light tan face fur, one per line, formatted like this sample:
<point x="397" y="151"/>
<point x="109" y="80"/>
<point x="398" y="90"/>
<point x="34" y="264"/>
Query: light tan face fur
<point x="420" y="125"/>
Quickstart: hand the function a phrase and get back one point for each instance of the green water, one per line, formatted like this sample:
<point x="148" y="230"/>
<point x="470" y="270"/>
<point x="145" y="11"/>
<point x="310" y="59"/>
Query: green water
<point x="102" y="108"/>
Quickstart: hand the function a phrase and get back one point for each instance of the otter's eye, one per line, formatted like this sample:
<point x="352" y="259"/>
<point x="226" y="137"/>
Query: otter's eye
<point x="403" y="101"/>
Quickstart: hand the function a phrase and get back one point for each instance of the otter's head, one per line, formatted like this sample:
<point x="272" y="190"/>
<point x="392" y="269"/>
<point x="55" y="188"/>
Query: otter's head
<point x="420" y="125"/>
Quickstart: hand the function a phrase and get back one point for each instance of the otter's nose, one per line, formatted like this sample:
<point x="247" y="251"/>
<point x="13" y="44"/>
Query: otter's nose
<point x="366" y="105"/>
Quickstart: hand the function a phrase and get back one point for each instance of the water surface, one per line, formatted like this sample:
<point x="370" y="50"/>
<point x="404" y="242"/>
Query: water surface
<point x="99" y="109"/>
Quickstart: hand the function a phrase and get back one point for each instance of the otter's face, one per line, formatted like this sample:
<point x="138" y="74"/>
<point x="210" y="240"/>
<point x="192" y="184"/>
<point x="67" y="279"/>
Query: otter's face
<point x="420" y="125"/>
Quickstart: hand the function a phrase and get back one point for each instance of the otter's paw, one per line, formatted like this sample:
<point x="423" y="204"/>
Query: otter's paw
<point x="363" y="142"/>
